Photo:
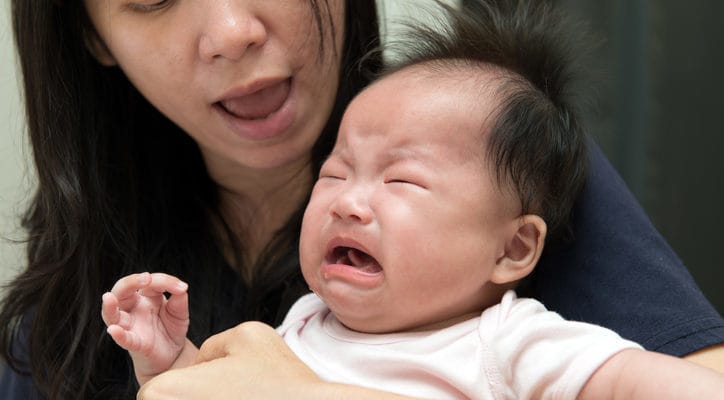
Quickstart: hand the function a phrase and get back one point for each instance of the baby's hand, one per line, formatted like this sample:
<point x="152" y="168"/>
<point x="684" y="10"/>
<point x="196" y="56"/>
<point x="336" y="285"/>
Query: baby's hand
<point x="141" y="320"/>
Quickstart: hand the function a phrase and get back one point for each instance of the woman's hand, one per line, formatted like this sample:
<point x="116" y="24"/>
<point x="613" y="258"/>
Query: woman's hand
<point x="250" y="361"/>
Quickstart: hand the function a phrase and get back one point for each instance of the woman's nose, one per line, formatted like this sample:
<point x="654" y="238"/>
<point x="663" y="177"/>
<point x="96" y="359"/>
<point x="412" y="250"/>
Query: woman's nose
<point x="352" y="205"/>
<point x="230" y="29"/>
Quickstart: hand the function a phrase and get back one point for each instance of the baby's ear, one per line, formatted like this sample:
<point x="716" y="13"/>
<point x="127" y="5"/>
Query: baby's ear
<point x="97" y="47"/>
<point x="523" y="248"/>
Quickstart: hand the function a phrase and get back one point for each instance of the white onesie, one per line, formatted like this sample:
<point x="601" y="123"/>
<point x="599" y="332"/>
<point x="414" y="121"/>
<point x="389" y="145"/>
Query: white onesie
<point x="514" y="350"/>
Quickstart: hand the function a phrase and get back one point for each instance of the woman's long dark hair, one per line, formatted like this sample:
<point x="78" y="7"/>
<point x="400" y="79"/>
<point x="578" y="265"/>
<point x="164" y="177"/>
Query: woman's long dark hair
<point x="121" y="189"/>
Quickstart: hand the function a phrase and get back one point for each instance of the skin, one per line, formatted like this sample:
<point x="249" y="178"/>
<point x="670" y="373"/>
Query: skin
<point x="153" y="330"/>
<point x="263" y="368"/>
<point x="248" y="86"/>
<point x="133" y="310"/>
<point x="638" y="374"/>
<point x="711" y="357"/>
<point x="407" y="186"/>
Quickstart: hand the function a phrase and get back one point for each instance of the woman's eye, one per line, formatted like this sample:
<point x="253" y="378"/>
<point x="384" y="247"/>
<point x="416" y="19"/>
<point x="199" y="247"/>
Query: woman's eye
<point x="149" y="6"/>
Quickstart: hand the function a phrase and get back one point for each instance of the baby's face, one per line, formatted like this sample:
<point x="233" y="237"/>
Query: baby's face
<point x="405" y="223"/>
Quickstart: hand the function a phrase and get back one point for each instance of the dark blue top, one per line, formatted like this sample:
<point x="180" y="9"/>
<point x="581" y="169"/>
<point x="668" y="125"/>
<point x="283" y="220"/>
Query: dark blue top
<point x="621" y="274"/>
<point x="15" y="386"/>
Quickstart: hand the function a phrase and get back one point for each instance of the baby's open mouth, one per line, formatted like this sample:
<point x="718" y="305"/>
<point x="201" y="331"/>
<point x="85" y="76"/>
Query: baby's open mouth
<point x="356" y="258"/>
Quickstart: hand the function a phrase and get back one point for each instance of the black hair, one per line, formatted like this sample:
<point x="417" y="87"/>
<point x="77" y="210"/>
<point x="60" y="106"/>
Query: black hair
<point x="537" y="142"/>
<point x="121" y="189"/>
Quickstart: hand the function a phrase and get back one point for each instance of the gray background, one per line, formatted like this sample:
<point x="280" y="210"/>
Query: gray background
<point x="14" y="180"/>
<point x="660" y="118"/>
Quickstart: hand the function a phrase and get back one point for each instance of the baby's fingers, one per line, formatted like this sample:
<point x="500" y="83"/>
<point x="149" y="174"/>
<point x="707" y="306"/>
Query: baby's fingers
<point x="109" y="309"/>
<point x="124" y="338"/>
<point x="178" y="306"/>
<point x="125" y="289"/>
<point x="111" y="313"/>
<point x="160" y="283"/>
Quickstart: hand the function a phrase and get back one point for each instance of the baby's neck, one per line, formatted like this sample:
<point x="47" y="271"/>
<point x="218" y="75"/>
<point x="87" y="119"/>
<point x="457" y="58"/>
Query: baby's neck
<point x="445" y="323"/>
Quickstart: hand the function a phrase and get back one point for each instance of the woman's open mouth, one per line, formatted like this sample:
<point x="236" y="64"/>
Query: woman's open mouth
<point x="262" y="114"/>
<point x="260" y="104"/>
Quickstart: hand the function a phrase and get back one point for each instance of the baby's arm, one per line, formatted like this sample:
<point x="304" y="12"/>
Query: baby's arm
<point x="152" y="328"/>
<point x="639" y="374"/>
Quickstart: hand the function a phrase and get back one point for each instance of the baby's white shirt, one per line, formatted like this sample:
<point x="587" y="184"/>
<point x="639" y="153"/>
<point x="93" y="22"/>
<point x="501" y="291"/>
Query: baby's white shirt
<point x="515" y="350"/>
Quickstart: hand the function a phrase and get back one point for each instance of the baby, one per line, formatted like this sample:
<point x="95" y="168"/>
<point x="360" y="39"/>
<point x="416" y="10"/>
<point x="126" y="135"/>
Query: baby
<point x="448" y="176"/>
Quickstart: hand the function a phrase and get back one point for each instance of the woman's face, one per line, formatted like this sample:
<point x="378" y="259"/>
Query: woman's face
<point x="245" y="78"/>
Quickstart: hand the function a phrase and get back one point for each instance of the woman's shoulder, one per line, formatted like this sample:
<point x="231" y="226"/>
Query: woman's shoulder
<point x="619" y="272"/>
<point x="16" y="381"/>
<point x="16" y="385"/>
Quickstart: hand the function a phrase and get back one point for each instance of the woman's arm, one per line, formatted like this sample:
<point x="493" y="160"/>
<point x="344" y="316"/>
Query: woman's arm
<point x="620" y="273"/>
<point x="711" y="357"/>
<point x="249" y="361"/>
<point x="13" y="385"/>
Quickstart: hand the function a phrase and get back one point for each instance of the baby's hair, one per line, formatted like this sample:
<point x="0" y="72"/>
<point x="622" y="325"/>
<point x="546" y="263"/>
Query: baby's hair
<point x="536" y="142"/>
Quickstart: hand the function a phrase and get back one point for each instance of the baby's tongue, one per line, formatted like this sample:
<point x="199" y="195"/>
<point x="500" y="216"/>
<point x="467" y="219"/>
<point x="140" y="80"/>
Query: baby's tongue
<point x="363" y="261"/>
<point x="259" y="104"/>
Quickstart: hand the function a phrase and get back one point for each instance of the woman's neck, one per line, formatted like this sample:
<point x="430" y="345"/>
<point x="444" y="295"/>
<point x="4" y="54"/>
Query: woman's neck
<point x="257" y="203"/>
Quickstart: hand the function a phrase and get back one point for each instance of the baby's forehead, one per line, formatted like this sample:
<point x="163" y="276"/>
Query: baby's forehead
<point x="465" y="75"/>
<point x="459" y="98"/>
<point x="479" y="87"/>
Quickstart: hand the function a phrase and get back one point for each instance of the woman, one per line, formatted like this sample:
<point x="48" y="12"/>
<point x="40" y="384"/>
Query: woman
<point x="182" y="136"/>
<point x="121" y="187"/>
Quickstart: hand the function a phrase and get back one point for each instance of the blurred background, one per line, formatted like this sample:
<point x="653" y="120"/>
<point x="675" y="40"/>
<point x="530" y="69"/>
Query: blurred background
<point x="14" y="179"/>
<point x="659" y="117"/>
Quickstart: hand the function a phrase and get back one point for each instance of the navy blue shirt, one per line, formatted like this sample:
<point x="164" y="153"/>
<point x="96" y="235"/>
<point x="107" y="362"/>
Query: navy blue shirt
<point x="15" y="386"/>
<point x="621" y="274"/>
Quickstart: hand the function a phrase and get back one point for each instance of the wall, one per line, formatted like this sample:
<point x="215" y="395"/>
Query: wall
<point x="659" y="118"/>
<point x="14" y="178"/>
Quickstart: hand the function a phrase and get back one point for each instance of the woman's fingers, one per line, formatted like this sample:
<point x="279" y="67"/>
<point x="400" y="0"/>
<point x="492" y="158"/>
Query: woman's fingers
<point x="246" y="338"/>
<point x="248" y="361"/>
<point x="217" y="346"/>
